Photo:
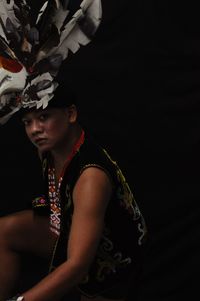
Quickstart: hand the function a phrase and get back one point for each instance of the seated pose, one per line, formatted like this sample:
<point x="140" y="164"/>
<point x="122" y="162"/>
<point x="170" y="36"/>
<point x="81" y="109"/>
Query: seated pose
<point x="87" y="223"/>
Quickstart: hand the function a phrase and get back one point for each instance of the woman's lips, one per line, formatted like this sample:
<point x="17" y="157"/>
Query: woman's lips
<point x="40" y="141"/>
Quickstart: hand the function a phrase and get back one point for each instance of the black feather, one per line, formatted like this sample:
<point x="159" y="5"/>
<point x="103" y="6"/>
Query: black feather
<point x="44" y="25"/>
<point x="65" y="4"/>
<point x="87" y="26"/>
<point x="52" y="40"/>
<point x="11" y="32"/>
<point x="22" y="12"/>
<point x="5" y="49"/>
<point x="50" y="64"/>
<point x="73" y="6"/>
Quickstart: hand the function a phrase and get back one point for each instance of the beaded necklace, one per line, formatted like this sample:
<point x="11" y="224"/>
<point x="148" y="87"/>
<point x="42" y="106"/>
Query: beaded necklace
<point x="54" y="193"/>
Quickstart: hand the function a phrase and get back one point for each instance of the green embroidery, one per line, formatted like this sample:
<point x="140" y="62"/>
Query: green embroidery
<point x="44" y="165"/>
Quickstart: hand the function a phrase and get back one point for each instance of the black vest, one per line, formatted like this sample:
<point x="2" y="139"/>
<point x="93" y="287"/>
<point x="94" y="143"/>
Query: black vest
<point x="119" y="250"/>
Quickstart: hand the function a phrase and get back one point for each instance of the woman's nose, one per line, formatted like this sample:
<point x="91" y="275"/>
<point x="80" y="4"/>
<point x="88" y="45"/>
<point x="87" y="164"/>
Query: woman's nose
<point x="35" y="128"/>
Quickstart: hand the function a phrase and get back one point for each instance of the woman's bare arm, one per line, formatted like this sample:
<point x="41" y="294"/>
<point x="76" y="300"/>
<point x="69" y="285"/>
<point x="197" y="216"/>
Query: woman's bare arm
<point x="91" y="195"/>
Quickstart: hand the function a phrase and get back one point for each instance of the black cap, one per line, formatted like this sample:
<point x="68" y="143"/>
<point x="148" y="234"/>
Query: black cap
<point x="64" y="95"/>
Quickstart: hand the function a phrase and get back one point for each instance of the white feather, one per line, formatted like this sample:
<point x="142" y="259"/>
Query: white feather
<point x="58" y="4"/>
<point x="85" y="4"/>
<point x="94" y="11"/>
<point x="73" y="42"/>
<point x="11" y="81"/>
<point x="2" y="34"/>
<point x="33" y="102"/>
<point x="5" y="118"/>
<point x="8" y="12"/>
<point x="49" y="90"/>
<point x="72" y="36"/>
<point x="41" y="11"/>
<point x="60" y="17"/>
<point x="44" y="101"/>
<point x="60" y="13"/>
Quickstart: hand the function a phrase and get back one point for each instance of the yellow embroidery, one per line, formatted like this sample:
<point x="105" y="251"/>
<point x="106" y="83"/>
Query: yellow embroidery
<point x="108" y="263"/>
<point x="44" y="165"/>
<point x="124" y="192"/>
<point x="127" y="199"/>
<point x="68" y="197"/>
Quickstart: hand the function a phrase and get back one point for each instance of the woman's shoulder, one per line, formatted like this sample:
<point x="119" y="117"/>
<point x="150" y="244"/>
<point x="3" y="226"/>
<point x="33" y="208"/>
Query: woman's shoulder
<point x="93" y="153"/>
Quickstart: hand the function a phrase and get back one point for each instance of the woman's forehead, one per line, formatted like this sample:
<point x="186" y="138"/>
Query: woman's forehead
<point x="35" y="112"/>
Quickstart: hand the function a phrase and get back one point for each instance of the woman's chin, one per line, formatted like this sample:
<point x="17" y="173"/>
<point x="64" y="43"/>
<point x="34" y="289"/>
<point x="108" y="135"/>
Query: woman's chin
<point x="43" y="147"/>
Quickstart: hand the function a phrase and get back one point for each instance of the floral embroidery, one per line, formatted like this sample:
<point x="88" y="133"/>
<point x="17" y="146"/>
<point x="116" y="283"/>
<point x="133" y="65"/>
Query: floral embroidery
<point x="55" y="215"/>
<point x="127" y="200"/>
<point x="115" y="253"/>
<point x="39" y="202"/>
<point x="142" y="229"/>
<point x="68" y="197"/>
<point x="107" y="261"/>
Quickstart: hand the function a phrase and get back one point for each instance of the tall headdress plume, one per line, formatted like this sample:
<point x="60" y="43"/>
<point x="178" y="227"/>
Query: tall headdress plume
<point x="31" y="53"/>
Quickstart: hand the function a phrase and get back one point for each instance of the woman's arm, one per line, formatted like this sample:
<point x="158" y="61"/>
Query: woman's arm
<point x="91" y="195"/>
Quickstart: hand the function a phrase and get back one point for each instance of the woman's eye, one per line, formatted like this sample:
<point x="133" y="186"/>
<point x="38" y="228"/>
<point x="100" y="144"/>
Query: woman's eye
<point x="26" y="122"/>
<point x="43" y="117"/>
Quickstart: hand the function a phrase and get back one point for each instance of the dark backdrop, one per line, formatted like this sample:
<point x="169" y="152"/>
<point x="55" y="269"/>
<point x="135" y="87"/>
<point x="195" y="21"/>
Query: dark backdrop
<point x="138" y="82"/>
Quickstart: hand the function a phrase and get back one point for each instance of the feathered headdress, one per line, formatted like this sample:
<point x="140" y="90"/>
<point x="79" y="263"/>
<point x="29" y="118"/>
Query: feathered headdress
<point x="31" y="54"/>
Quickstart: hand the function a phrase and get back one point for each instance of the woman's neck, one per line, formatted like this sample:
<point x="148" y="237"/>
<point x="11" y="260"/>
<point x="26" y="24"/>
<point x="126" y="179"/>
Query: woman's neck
<point x="61" y="155"/>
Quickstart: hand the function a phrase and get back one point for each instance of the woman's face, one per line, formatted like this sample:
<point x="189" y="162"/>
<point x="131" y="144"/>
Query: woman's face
<point x="47" y="129"/>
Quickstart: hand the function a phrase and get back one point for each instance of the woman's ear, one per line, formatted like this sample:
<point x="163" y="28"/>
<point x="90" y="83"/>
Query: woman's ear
<point x="72" y="113"/>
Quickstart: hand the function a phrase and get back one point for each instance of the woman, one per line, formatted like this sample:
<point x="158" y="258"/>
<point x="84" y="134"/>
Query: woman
<point x="87" y="224"/>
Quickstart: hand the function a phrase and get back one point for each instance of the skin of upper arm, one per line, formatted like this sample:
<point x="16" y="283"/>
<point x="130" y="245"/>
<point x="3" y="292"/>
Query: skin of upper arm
<point x="91" y="195"/>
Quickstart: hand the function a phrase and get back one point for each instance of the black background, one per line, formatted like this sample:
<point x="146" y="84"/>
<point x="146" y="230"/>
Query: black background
<point x="139" y="85"/>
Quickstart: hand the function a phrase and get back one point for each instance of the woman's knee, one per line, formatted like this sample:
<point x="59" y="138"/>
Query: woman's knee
<point x="24" y="231"/>
<point x="10" y="228"/>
